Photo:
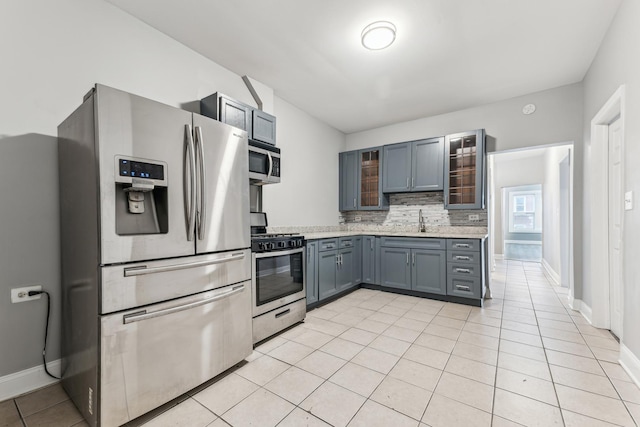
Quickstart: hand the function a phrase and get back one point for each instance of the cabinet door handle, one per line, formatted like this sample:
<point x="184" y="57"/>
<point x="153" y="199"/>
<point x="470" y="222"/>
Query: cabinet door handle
<point x="413" y="182"/>
<point x="462" y="245"/>
<point x="407" y="182"/>
<point x="463" y="258"/>
<point x="407" y="258"/>
<point x="354" y="202"/>
<point x="463" y="288"/>
<point x="463" y="270"/>
<point x="371" y="241"/>
<point x="379" y="201"/>
<point x="413" y="256"/>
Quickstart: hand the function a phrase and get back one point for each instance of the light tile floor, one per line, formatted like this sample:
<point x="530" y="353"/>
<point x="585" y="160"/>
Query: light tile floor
<point x="379" y="359"/>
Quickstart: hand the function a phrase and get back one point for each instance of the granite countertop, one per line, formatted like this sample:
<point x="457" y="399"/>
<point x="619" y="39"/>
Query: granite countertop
<point x="329" y="232"/>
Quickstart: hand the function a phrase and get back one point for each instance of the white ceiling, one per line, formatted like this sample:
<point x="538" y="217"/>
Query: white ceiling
<point x="448" y="54"/>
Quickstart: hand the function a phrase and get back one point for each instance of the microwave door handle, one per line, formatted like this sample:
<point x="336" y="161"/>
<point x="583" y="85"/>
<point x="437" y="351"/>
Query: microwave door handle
<point x="202" y="182"/>
<point x="190" y="177"/>
<point x="270" y="166"/>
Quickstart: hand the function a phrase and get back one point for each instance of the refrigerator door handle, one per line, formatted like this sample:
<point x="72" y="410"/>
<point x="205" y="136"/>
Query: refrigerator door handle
<point x="144" y="315"/>
<point x="202" y="212"/>
<point x="190" y="193"/>
<point x="143" y="269"/>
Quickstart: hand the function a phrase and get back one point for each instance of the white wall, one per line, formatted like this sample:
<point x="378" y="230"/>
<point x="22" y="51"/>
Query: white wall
<point x="308" y="191"/>
<point x="52" y="54"/>
<point x="558" y="119"/>
<point x="551" y="206"/>
<point x="617" y="62"/>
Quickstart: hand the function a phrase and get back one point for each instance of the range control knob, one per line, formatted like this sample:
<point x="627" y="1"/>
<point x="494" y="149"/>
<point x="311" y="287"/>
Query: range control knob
<point x="260" y="246"/>
<point x="282" y="244"/>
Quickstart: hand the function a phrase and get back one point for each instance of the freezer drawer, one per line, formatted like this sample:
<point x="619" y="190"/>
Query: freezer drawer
<point x="151" y="356"/>
<point x="143" y="283"/>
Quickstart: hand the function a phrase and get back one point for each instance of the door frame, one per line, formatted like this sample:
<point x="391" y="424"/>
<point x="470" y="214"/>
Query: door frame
<point x="598" y="266"/>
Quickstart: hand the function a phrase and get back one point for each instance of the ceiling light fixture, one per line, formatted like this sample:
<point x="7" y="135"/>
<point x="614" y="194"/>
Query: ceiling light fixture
<point x="378" y="35"/>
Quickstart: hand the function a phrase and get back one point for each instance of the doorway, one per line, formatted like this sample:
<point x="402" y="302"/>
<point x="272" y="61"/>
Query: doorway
<point x="531" y="203"/>
<point x="606" y="226"/>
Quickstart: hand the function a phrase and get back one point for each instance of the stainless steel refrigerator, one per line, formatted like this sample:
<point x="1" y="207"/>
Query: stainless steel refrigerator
<point x="156" y="266"/>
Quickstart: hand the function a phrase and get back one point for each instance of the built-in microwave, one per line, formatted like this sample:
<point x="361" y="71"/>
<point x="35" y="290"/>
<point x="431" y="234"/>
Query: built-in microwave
<point x="264" y="163"/>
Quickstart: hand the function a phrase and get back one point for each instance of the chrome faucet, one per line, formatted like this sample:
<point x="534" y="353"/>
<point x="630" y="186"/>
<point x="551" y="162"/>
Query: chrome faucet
<point x="421" y="225"/>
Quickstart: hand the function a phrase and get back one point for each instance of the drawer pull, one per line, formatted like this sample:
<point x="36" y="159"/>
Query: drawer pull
<point x="463" y="288"/>
<point x="463" y="270"/>
<point x="462" y="245"/>
<point x="463" y="258"/>
<point x="283" y="313"/>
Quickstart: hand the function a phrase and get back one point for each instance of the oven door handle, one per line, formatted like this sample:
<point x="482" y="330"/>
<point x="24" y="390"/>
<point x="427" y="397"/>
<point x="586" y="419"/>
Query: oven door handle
<point x="144" y="315"/>
<point x="278" y="253"/>
<point x="143" y="269"/>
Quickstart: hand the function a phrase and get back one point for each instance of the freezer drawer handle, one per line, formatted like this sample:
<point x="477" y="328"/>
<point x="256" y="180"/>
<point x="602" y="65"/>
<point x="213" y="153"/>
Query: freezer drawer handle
<point x="143" y="315"/>
<point x="143" y="269"/>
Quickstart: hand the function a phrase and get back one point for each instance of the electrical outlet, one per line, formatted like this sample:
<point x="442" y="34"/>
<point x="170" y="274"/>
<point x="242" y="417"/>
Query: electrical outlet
<point x="474" y="217"/>
<point x="357" y="219"/>
<point x="22" y="294"/>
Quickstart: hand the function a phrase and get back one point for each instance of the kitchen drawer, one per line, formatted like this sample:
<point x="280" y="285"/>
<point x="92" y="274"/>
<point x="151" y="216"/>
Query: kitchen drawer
<point x="346" y="242"/>
<point x="457" y="269"/>
<point x="464" y="244"/>
<point x="466" y="287"/>
<point x="462" y="257"/>
<point x="328" y="245"/>
<point x="413" y="243"/>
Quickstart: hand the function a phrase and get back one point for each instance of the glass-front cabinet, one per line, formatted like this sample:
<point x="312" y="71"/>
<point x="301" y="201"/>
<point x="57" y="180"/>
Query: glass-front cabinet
<point x="464" y="170"/>
<point x="361" y="180"/>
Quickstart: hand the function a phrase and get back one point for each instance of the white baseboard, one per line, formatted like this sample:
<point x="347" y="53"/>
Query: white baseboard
<point x="22" y="382"/>
<point x="586" y="312"/>
<point x="630" y="363"/>
<point x="574" y="303"/>
<point x="551" y="272"/>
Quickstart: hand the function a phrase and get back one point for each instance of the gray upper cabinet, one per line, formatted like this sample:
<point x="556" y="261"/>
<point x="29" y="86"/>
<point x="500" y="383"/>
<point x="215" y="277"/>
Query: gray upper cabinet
<point x="361" y="180"/>
<point x="464" y="184"/>
<point x="263" y="127"/>
<point x="427" y="164"/>
<point x="413" y="166"/>
<point x="259" y="125"/>
<point x="396" y="170"/>
<point x="348" y="189"/>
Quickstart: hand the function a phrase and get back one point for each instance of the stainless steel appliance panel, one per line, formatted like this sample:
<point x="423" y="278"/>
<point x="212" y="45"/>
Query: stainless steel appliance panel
<point x="132" y="126"/>
<point x="278" y="279"/>
<point x="223" y="196"/>
<point x="274" y="321"/>
<point x="153" y="355"/>
<point x="264" y="166"/>
<point x="138" y="284"/>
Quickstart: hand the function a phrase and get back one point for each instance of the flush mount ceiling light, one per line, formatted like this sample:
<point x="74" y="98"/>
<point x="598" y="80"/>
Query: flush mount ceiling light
<point x="378" y="35"/>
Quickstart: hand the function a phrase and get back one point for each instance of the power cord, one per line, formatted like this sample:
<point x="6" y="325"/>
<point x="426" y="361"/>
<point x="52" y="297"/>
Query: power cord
<point x="46" y="331"/>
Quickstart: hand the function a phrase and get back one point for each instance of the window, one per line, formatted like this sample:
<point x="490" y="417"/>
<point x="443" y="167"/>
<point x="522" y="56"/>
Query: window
<point x="525" y="211"/>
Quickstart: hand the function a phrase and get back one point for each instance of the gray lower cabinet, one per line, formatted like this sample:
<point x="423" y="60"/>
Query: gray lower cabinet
<point x="369" y="259"/>
<point x="429" y="271"/>
<point x="395" y="268"/>
<point x="339" y="261"/>
<point x="312" y="272"/>
<point x="465" y="268"/>
<point x="414" y="264"/>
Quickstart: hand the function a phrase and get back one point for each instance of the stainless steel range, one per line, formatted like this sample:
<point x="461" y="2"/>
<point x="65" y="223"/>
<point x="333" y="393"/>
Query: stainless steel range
<point x="278" y="280"/>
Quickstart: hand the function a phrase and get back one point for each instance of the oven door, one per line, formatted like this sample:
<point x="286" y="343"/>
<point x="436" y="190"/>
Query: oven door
<point x="278" y="279"/>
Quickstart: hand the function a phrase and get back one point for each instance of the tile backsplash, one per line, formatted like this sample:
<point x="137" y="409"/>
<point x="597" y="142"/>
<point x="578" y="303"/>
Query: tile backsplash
<point x="403" y="211"/>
